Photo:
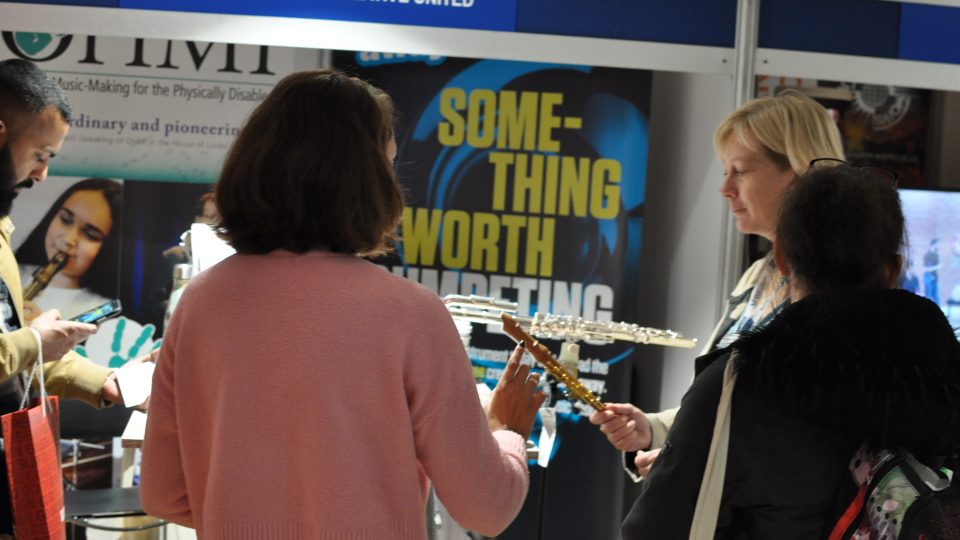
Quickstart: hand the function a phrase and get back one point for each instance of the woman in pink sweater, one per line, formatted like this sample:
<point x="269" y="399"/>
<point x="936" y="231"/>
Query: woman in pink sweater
<point x="303" y="392"/>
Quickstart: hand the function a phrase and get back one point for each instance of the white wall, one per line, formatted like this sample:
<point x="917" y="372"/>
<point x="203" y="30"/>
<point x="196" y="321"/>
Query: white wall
<point x="948" y="167"/>
<point x="684" y="211"/>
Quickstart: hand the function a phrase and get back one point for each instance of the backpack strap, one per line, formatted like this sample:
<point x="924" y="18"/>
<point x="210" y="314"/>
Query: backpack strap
<point x="951" y="463"/>
<point x="851" y="516"/>
<point x="923" y="478"/>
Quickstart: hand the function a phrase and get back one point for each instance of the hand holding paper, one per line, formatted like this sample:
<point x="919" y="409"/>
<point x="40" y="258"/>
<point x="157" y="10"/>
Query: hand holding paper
<point x="135" y="379"/>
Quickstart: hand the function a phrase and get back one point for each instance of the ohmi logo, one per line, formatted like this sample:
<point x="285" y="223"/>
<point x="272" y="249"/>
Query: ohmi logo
<point x="153" y="54"/>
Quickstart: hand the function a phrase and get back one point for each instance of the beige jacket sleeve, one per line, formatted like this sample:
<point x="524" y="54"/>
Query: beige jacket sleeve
<point x="72" y="376"/>
<point x="76" y="377"/>
<point x="660" y="423"/>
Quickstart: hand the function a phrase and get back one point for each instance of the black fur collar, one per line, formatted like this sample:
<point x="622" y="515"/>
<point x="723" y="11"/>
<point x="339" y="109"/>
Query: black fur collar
<point x="883" y="365"/>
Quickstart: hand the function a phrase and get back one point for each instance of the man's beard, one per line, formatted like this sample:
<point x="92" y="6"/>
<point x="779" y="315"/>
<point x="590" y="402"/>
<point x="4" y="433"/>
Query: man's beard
<point x="7" y="181"/>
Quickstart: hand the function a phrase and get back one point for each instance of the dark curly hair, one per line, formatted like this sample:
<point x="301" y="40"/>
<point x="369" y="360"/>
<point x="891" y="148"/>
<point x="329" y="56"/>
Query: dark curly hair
<point x="26" y="90"/>
<point x="309" y="170"/>
<point x="840" y="228"/>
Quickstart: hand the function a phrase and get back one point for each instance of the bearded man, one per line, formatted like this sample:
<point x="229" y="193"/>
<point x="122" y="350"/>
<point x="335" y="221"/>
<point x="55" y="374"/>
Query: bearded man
<point x="34" y="119"/>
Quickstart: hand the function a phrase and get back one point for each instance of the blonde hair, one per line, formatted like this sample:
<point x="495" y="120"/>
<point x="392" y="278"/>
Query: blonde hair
<point x="790" y="128"/>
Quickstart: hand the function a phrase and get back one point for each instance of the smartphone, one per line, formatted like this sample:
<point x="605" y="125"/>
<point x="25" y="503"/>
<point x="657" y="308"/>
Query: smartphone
<point x="100" y="313"/>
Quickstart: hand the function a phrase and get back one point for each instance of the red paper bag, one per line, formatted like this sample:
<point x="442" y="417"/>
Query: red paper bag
<point x="32" y="442"/>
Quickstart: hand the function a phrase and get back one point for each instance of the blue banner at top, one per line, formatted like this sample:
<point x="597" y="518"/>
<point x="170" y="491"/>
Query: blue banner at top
<point x="470" y="14"/>
<point x="930" y="33"/>
<point x="852" y="27"/>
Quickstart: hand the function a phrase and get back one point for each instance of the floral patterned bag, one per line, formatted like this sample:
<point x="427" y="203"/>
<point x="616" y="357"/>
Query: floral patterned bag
<point x="899" y="497"/>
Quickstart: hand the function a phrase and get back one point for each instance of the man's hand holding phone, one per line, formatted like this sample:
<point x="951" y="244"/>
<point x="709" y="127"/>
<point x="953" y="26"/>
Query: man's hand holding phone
<point x="58" y="335"/>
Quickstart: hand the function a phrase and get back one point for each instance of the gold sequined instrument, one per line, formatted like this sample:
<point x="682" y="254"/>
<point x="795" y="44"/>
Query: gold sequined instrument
<point x="43" y="275"/>
<point x="543" y="355"/>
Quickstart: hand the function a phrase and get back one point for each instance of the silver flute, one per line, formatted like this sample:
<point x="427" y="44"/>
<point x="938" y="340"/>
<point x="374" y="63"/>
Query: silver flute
<point x="483" y="309"/>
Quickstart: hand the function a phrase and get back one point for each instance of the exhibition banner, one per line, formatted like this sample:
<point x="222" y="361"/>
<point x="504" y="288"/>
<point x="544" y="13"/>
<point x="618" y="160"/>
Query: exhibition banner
<point x="525" y="182"/>
<point x="151" y="109"/>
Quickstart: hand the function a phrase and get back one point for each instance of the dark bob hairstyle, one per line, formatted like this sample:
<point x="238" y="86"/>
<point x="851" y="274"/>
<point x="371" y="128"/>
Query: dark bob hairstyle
<point x="309" y="170"/>
<point x="103" y="275"/>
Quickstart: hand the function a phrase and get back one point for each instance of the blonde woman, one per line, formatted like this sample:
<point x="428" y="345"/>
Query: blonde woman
<point x="851" y="367"/>
<point x="764" y="145"/>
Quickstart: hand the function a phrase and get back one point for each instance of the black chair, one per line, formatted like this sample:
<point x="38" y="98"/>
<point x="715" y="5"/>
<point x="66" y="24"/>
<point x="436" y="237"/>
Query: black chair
<point x="85" y="505"/>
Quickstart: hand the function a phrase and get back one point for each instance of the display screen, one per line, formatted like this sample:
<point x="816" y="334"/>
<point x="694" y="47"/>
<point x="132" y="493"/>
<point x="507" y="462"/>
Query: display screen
<point x="932" y="265"/>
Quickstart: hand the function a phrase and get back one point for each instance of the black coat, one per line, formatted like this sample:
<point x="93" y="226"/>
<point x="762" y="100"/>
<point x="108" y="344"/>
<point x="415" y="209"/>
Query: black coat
<point x="833" y="371"/>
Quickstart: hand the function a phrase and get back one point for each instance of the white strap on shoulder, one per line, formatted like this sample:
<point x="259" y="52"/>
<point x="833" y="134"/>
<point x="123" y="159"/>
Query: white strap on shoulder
<point x="705" y="516"/>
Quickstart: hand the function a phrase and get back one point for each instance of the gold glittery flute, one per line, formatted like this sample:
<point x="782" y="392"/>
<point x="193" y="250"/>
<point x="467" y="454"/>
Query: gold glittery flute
<point x="43" y="275"/>
<point x="544" y="356"/>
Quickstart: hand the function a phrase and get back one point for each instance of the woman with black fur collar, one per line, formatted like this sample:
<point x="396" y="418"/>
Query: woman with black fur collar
<point x="850" y="362"/>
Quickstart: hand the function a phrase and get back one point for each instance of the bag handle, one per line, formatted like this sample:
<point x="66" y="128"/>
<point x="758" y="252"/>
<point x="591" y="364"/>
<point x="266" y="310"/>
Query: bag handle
<point x="704" y="526"/>
<point x="37" y="367"/>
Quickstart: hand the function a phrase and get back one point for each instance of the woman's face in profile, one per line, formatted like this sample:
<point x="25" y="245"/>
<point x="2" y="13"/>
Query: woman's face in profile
<point x="209" y="214"/>
<point x="79" y="229"/>
<point x="753" y="186"/>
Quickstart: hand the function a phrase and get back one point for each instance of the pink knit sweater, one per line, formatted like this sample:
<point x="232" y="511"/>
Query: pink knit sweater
<point x="312" y="396"/>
